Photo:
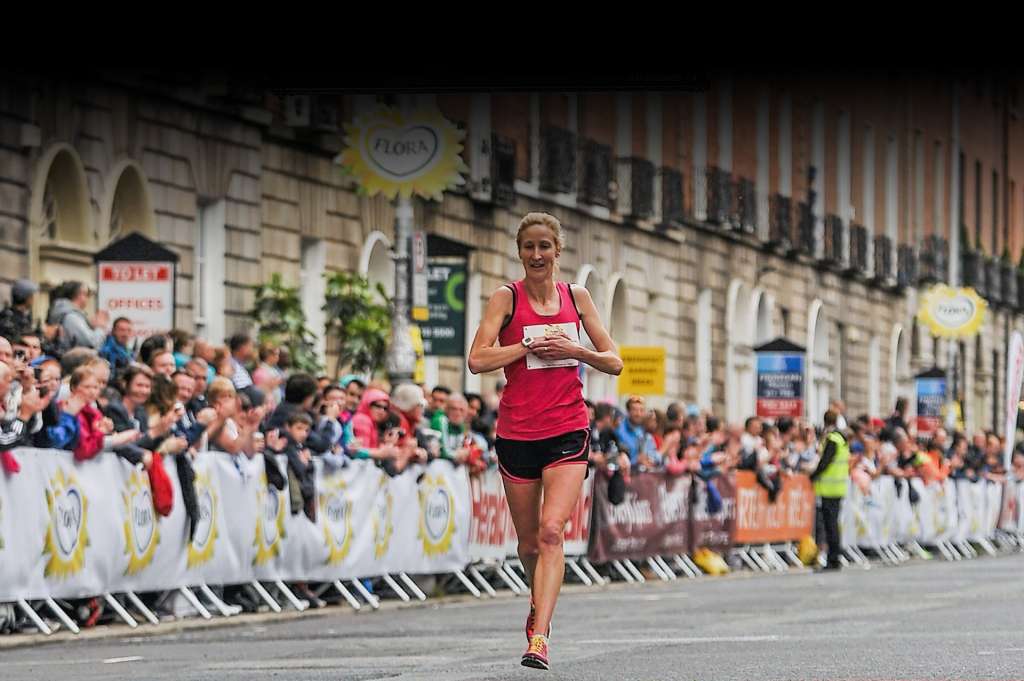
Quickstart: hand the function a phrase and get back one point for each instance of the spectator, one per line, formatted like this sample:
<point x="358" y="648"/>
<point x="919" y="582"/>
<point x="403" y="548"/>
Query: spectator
<point x="30" y="345"/>
<point x="60" y="428"/>
<point x="354" y="388"/>
<point x="330" y="428"/>
<point x="299" y="394"/>
<point x="69" y="361"/>
<point x="152" y="345"/>
<point x="606" y="452"/>
<point x="481" y="419"/>
<point x="23" y="381"/>
<point x="438" y="400"/>
<point x="241" y="349"/>
<point x="15" y="417"/>
<point x="634" y="436"/>
<point x="162" y="414"/>
<point x="1017" y="464"/>
<point x="898" y="417"/>
<point x="268" y="377"/>
<point x="223" y="364"/>
<point x="674" y="414"/>
<point x="366" y="441"/>
<point x="202" y="350"/>
<point x="654" y="423"/>
<point x="751" y="440"/>
<point x="301" y="479"/>
<point x="993" y="469"/>
<point x="93" y="427"/>
<point x="186" y="386"/>
<point x="68" y="312"/>
<point x="129" y="414"/>
<point x="162" y="362"/>
<point x="958" y="459"/>
<point x="408" y="403"/>
<point x="197" y="369"/>
<point x="16" y="317"/>
<point x="182" y="344"/>
<point x="232" y="430"/>
<point x="115" y="349"/>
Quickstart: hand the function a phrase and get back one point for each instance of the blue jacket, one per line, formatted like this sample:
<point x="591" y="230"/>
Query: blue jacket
<point x="61" y="435"/>
<point x="116" y="354"/>
<point x="636" y="439"/>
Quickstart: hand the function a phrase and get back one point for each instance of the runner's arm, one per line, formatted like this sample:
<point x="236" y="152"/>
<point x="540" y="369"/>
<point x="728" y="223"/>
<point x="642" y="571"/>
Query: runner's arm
<point x="485" y="354"/>
<point x="605" y="355"/>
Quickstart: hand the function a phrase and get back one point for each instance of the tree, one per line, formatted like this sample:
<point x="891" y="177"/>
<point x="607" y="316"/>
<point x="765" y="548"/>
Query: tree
<point x="279" y="316"/>
<point x="359" y="317"/>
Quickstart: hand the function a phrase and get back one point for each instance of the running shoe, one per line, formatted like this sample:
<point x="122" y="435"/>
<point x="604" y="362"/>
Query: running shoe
<point x="536" y="655"/>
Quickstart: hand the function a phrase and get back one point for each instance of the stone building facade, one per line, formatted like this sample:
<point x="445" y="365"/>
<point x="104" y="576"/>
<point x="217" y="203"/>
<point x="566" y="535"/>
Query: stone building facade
<point x="704" y="221"/>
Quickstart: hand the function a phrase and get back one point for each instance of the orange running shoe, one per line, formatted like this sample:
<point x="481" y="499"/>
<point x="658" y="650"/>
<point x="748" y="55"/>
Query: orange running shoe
<point x="536" y="655"/>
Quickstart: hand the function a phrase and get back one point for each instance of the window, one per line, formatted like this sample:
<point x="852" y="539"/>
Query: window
<point x="977" y="205"/>
<point x="995" y="213"/>
<point x="843" y="363"/>
<point x="996" y="404"/>
<point x="960" y="192"/>
<point x="208" y="277"/>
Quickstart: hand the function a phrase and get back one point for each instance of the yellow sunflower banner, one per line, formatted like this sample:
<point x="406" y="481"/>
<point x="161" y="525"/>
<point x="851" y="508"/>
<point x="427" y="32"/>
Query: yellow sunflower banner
<point x="952" y="313"/>
<point x="400" y="154"/>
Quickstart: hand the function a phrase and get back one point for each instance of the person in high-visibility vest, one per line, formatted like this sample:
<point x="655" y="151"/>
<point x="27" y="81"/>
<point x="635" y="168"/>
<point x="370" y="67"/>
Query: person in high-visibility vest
<point x="831" y="479"/>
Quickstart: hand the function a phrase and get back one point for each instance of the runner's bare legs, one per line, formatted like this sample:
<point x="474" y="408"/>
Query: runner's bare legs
<point x="562" y="486"/>
<point x="524" y="505"/>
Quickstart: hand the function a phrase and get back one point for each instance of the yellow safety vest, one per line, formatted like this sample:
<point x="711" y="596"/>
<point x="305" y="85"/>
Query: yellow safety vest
<point x="833" y="481"/>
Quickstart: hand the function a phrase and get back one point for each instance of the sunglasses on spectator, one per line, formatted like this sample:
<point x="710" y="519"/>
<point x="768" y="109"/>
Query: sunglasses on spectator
<point x="379" y="405"/>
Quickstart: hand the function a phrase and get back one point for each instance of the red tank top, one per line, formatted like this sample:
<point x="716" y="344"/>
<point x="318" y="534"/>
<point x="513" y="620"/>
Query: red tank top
<point x="539" y="403"/>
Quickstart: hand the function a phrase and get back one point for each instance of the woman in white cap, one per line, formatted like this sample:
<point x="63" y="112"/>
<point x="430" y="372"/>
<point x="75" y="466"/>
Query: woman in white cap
<point x="408" y="402"/>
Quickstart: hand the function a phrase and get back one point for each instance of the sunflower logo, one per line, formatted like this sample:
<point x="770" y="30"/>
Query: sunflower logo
<point x="952" y="313"/>
<point x="66" y="536"/>
<point x="141" y="534"/>
<point x="437" y="515"/>
<point x="383" y="505"/>
<point x="200" y="549"/>
<point x="336" y="510"/>
<point x="269" y="523"/>
<point x="393" y="153"/>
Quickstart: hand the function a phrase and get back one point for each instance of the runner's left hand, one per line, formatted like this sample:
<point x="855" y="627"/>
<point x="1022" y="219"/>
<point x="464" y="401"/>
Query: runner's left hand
<point x="554" y="347"/>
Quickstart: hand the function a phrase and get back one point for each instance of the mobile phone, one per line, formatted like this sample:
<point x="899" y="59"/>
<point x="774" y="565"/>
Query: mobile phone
<point x="43" y="390"/>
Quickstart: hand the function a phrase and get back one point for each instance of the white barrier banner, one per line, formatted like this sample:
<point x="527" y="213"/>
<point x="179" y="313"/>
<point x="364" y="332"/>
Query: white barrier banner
<point x="993" y="507"/>
<point x="73" y="529"/>
<point x="1014" y="380"/>
<point x="492" y="535"/>
<point x="1012" y="517"/>
<point x="438" y="540"/>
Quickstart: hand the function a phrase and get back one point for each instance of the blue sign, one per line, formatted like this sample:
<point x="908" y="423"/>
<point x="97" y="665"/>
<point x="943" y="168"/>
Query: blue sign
<point x="780" y="384"/>
<point x="931" y="395"/>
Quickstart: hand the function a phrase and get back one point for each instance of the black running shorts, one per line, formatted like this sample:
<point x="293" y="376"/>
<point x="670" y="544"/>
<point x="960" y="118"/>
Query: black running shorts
<point x="525" y="460"/>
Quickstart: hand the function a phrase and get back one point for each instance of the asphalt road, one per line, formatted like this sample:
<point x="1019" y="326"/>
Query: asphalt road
<point x="931" y="620"/>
